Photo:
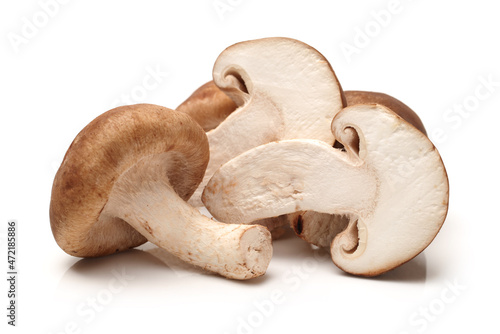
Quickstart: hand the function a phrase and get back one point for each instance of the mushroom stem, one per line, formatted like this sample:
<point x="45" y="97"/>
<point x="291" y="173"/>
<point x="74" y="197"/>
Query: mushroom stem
<point x="290" y="177"/>
<point x="255" y="133"/>
<point x="148" y="203"/>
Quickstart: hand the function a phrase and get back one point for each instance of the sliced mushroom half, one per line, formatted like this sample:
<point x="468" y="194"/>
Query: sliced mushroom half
<point x="283" y="89"/>
<point x="390" y="181"/>
<point x="320" y="228"/>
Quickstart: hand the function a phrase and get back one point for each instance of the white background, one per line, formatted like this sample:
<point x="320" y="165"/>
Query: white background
<point x="85" y="56"/>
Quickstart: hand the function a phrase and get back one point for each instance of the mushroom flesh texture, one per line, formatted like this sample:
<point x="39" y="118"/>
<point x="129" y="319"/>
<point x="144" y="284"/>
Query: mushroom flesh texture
<point x="320" y="228"/>
<point x="284" y="89"/>
<point x="390" y="181"/>
<point x="209" y="106"/>
<point x="125" y="179"/>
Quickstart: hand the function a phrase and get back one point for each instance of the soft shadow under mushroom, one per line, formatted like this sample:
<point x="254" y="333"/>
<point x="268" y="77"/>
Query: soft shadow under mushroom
<point x="93" y="274"/>
<point x="413" y="271"/>
<point x="136" y="262"/>
<point x="95" y="270"/>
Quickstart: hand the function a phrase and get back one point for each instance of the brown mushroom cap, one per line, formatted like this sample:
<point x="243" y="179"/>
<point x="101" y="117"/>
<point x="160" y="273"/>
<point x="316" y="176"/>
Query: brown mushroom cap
<point x="208" y="106"/>
<point x="361" y="97"/>
<point x="105" y="149"/>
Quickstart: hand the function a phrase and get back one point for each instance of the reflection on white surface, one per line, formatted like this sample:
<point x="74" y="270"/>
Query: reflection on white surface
<point x="151" y="281"/>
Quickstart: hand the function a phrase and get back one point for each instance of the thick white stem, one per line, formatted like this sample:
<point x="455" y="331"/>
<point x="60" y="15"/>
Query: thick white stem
<point x="149" y="204"/>
<point x="290" y="176"/>
<point x="253" y="125"/>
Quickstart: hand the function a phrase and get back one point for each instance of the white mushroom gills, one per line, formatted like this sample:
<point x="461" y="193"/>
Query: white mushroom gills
<point x="391" y="181"/>
<point x="143" y="198"/>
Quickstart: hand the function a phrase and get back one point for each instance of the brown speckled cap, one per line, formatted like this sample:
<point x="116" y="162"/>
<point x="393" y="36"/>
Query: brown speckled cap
<point x="105" y="149"/>
<point x="361" y="97"/>
<point x="208" y="105"/>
